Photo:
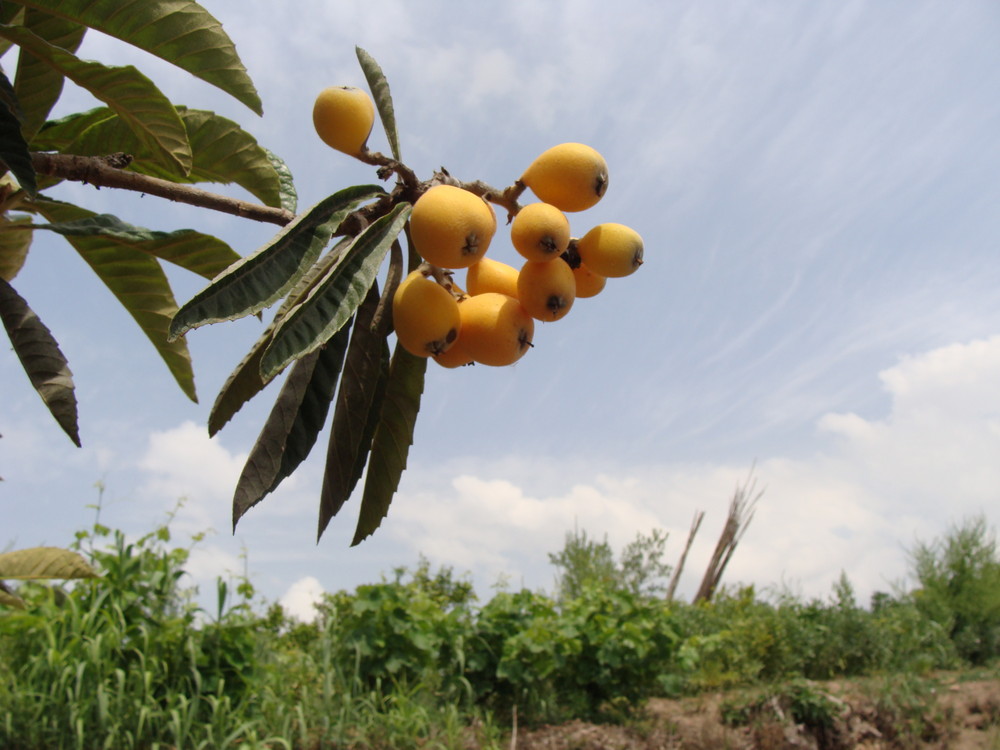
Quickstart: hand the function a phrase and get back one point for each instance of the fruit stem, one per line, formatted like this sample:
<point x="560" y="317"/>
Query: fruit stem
<point x="388" y="166"/>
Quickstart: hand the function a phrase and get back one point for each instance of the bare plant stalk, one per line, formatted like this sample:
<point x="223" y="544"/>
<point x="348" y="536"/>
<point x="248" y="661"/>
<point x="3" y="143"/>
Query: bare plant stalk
<point x="741" y="510"/>
<point x="101" y="172"/>
<point x="676" y="577"/>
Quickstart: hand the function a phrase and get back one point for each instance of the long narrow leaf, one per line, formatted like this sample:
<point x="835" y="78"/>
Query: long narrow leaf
<point x="132" y="96"/>
<point x="193" y="251"/>
<point x="245" y="381"/>
<point x="41" y="358"/>
<point x="14" y="244"/>
<point x="13" y="147"/>
<point x="181" y="32"/>
<point x="291" y="429"/>
<point x="336" y="297"/>
<point x="353" y="422"/>
<point x="392" y="440"/>
<point x="139" y="283"/>
<point x="383" y="99"/>
<point x="257" y="281"/>
<point x="38" y="84"/>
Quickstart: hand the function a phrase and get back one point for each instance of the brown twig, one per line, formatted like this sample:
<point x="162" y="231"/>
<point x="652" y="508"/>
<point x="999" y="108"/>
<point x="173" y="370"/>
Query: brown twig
<point x="102" y="172"/>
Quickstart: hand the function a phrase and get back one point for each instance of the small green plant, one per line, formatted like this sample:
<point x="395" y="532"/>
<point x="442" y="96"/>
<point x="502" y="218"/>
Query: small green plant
<point x="959" y="577"/>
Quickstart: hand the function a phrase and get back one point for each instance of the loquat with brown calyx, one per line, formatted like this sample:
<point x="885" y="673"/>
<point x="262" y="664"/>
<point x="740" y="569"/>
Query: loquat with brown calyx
<point x="495" y="329"/>
<point x="425" y="316"/>
<point x="611" y="250"/>
<point x="570" y="176"/>
<point x="452" y="227"/>
<point x="540" y="231"/>
<point x="546" y="289"/>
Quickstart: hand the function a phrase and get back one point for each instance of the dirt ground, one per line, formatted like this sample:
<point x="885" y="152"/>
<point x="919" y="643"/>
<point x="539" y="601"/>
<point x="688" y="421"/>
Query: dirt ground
<point x="951" y="712"/>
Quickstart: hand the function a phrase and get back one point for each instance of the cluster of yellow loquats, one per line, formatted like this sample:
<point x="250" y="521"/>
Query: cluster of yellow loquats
<point x="491" y="321"/>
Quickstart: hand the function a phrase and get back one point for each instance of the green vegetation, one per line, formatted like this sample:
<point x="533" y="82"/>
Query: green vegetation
<point x="129" y="660"/>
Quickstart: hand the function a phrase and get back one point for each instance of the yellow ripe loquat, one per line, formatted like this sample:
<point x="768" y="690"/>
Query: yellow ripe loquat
<point x="451" y="227"/>
<point x="611" y="250"/>
<point x="540" y="231"/>
<point x="546" y="289"/>
<point x="343" y="117"/>
<point x="588" y="283"/>
<point x="570" y="176"/>
<point x="496" y="330"/>
<point x="488" y="275"/>
<point x="425" y="316"/>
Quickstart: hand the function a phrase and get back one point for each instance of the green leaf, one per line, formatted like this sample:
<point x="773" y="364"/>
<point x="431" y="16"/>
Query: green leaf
<point x="179" y="31"/>
<point x="41" y="359"/>
<point x="289" y="196"/>
<point x="134" y="97"/>
<point x="222" y="152"/>
<point x="8" y="599"/>
<point x="13" y="147"/>
<point x="245" y="382"/>
<point x="14" y="244"/>
<point x="336" y="297"/>
<point x="61" y="134"/>
<point x="359" y="401"/>
<point x="383" y="99"/>
<point x="193" y="251"/>
<point x="392" y="440"/>
<point x="293" y="424"/>
<point x="139" y="283"/>
<point x="258" y="280"/>
<point x="37" y="563"/>
<point x="38" y="84"/>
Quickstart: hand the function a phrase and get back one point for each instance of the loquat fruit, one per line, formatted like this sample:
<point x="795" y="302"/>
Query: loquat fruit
<point x="611" y="250"/>
<point x="540" y="231"/>
<point x="425" y="316"/>
<point x="546" y="289"/>
<point x="343" y="117"/>
<point x="588" y="283"/>
<point x="488" y="275"/>
<point x="570" y="176"/>
<point x="496" y="330"/>
<point x="455" y="355"/>
<point x="451" y="227"/>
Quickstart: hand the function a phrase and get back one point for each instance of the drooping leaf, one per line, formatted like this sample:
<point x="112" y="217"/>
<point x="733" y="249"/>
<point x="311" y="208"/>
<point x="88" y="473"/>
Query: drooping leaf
<point x="245" y="381"/>
<point x="222" y="152"/>
<point x="336" y="297"/>
<point x="133" y="97"/>
<point x="38" y="563"/>
<point x="41" y="359"/>
<point x="392" y="440"/>
<point x="181" y="32"/>
<point x="258" y="280"/>
<point x="289" y="195"/>
<point x="193" y="251"/>
<point x="14" y="244"/>
<point x="7" y="599"/>
<point x="13" y="147"/>
<point x="293" y="424"/>
<point x="139" y="283"/>
<point x="356" y="411"/>
<point x="10" y="13"/>
<point x="38" y="84"/>
<point x="383" y="100"/>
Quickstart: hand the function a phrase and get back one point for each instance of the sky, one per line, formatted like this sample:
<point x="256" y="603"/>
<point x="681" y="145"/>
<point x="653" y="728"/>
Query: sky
<point x="816" y="185"/>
